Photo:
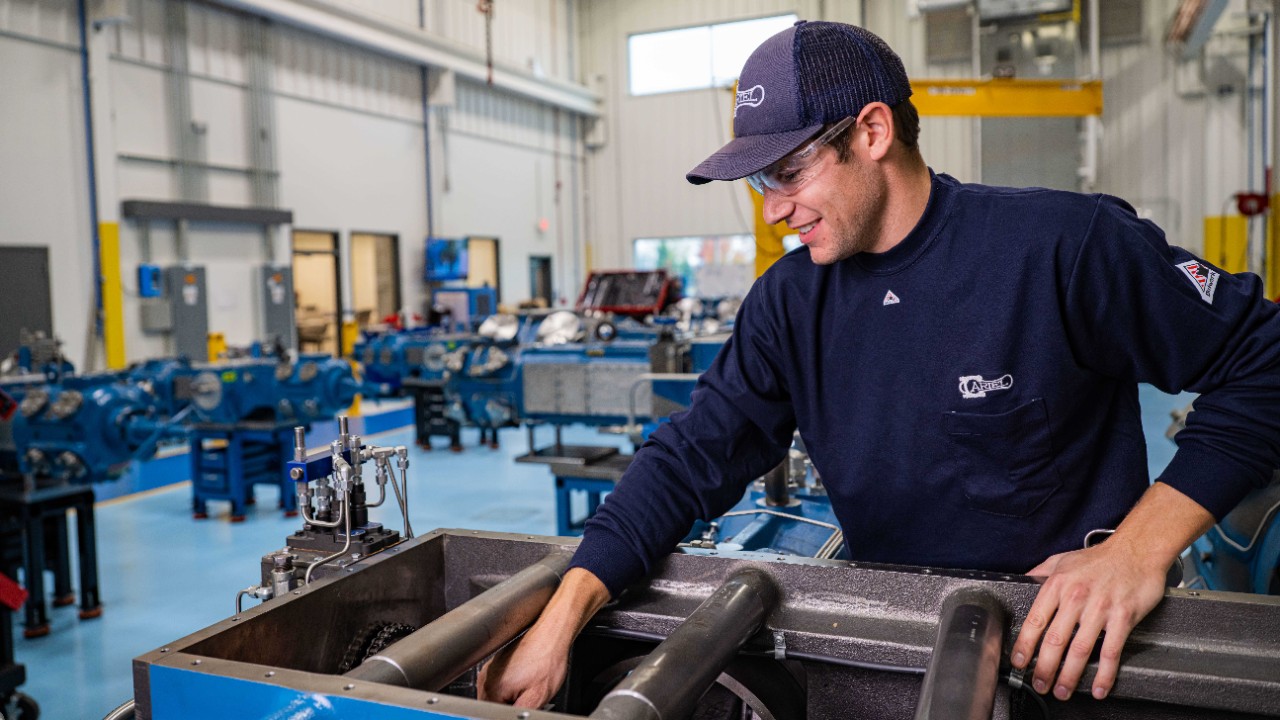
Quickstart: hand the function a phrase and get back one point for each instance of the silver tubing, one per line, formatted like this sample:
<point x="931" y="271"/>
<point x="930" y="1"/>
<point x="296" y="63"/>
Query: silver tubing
<point x="960" y="682"/>
<point x="434" y="655"/>
<point x="380" y="477"/>
<point x="346" y="517"/>
<point x="666" y="684"/>
<point x="403" y="499"/>
<point x="784" y="516"/>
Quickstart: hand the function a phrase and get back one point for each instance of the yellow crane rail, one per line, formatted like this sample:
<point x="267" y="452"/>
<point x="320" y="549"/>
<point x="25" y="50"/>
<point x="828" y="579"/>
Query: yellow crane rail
<point x="1001" y="97"/>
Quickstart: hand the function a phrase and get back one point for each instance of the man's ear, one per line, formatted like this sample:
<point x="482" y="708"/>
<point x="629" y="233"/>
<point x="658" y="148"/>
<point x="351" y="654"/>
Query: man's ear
<point x="877" y="123"/>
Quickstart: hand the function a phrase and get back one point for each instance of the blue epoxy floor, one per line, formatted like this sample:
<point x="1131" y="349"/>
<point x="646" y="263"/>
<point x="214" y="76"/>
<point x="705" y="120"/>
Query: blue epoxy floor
<point x="164" y="575"/>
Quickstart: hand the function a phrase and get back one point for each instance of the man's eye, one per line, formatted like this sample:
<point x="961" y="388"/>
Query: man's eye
<point x="788" y="175"/>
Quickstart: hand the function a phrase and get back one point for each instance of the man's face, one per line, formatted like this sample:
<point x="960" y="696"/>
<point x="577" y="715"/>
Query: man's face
<point x="837" y="210"/>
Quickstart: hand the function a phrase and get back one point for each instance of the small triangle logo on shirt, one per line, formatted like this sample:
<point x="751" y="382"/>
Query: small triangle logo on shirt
<point x="891" y="299"/>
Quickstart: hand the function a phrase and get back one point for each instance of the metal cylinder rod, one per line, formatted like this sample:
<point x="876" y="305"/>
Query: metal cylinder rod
<point x="960" y="682"/>
<point x="434" y="655"/>
<point x="776" y="492"/>
<point x="666" y="685"/>
<point x="300" y="444"/>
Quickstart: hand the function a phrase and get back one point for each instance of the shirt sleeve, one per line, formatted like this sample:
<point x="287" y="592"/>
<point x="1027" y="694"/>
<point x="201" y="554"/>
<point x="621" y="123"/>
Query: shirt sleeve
<point x="1140" y="309"/>
<point x="738" y="426"/>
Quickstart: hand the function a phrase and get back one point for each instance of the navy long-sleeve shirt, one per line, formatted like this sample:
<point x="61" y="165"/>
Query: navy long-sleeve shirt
<point x="969" y="396"/>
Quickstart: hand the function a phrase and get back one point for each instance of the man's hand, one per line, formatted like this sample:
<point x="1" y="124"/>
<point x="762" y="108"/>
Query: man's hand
<point x="1108" y="587"/>
<point x="528" y="672"/>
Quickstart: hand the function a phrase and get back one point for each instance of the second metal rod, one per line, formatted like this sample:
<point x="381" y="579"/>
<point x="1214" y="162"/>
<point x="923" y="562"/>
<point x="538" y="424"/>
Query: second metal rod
<point x="667" y="684"/>
<point x="964" y="671"/>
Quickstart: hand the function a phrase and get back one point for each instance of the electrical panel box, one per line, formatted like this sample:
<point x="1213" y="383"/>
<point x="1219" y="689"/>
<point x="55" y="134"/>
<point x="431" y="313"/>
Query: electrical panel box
<point x="150" y="281"/>
<point x="188" y="294"/>
<point x="157" y="316"/>
<point x="276" y="287"/>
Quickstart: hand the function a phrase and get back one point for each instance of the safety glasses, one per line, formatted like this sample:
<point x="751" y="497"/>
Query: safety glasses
<point x="788" y="174"/>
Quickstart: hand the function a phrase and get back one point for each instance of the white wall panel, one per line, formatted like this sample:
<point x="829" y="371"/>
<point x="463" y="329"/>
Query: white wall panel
<point x="52" y="20"/>
<point x="314" y="68"/>
<point x="216" y="44"/>
<point x="496" y="157"/>
<point x="502" y="191"/>
<point x="142" y="126"/>
<point x="345" y="171"/>
<point x="43" y="171"/>
<point x="400" y="12"/>
<point x="222" y="111"/>
<point x="142" y="38"/>
<point x="145" y="180"/>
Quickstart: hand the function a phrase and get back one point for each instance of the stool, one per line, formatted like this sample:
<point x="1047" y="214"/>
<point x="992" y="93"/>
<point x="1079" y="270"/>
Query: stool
<point x="41" y="512"/>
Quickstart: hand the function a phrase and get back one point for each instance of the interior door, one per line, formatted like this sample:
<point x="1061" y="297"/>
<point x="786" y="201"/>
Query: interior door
<point x="24" y="294"/>
<point x="317" y="291"/>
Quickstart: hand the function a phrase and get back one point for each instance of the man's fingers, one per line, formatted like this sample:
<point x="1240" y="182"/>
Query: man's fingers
<point x="532" y="698"/>
<point x="1054" y="642"/>
<point x="1042" y="610"/>
<point x="1109" y="658"/>
<point x="1091" y="625"/>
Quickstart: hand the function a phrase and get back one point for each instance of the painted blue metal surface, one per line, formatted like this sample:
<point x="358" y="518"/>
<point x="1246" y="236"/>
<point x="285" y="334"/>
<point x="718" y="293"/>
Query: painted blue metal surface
<point x="781" y="530"/>
<point x="180" y="694"/>
<point x="87" y="428"/>
<point x="1241" y="556"/>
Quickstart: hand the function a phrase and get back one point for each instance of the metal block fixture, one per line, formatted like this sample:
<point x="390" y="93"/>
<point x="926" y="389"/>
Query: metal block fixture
<point x="708" y="635"/>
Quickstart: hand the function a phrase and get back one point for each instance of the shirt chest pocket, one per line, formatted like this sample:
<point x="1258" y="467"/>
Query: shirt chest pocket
<point x="1004" y="462"/>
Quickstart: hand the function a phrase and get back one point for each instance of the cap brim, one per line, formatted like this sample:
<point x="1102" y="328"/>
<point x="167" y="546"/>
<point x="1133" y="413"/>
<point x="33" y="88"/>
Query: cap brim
<point x="748" y="154"/>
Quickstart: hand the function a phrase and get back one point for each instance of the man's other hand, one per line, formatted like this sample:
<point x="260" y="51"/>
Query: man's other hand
<point x="1106" y="588"/>
<point x="529" y="672"/>
<point x="526" y="673"/>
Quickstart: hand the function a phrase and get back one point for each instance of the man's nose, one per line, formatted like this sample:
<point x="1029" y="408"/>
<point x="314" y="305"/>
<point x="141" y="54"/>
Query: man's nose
<point x="776" y="207"/>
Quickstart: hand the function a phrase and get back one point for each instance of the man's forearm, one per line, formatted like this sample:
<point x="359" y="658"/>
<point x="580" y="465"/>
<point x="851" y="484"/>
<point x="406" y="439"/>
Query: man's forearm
<point x="1161" y="525"/>
<point x="578" y="598"/>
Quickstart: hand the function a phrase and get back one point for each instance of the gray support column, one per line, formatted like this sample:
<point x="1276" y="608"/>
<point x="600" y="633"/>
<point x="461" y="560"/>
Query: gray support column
<point x="187" y="135"/>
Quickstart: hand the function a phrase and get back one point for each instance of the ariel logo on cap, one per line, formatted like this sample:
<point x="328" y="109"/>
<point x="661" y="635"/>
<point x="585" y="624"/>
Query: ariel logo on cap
<point x="750" y="97"/>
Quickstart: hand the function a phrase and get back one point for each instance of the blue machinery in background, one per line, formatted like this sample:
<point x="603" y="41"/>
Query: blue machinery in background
<point x="600" y="366"/>
<point x="66" y="432"/>
<point x="1242" y="552"/>
<point x="242" y="416"/>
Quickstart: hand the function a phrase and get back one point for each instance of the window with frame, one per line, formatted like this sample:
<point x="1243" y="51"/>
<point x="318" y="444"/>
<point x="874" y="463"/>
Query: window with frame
<point x="696" y="58"/>
<point x="708" y="266"/>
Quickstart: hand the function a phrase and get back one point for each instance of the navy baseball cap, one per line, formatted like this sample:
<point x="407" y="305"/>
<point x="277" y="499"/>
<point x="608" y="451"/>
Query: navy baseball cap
<point x="806" y="76"/>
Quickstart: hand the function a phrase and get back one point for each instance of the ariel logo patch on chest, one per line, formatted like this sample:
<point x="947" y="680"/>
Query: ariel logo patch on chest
<point x="974" y="386"/>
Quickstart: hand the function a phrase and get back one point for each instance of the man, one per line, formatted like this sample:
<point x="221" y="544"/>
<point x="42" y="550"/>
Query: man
<point x="962" y="363"/>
